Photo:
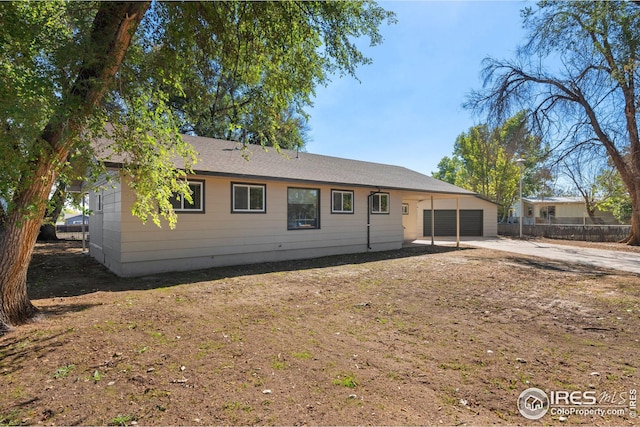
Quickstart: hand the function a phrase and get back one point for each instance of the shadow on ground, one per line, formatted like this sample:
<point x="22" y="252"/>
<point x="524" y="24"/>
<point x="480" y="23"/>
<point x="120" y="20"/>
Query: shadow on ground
<point x="564" y="267"/>
<point x="59" y="269"/>
<point x="18" y="350"/>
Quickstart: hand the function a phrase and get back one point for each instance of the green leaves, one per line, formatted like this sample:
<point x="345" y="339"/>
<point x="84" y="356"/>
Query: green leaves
<point x="484" y="160"/>
<point x="577" y="74"/>
<point x="155" y="159"/>
<point x="248" y="69"/>
<point x="233" y="69"/>
<point x="615" y="197"/>
<point x="35" y="38"/>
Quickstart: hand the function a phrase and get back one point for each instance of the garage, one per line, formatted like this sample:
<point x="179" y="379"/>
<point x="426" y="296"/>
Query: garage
<point x="471" y="221"/>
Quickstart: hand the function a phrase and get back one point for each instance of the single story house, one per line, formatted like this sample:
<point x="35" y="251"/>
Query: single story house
<point x="75" y="219"/>
<point x="560" y="210"/>
<point x="280" y="206"/>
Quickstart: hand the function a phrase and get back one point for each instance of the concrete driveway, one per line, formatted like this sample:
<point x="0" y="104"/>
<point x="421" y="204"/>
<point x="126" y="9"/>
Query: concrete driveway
<point x="617" y="260"/>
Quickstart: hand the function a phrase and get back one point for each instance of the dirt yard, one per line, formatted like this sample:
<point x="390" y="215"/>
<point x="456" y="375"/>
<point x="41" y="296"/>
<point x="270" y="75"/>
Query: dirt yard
<point x="415" y="337"/>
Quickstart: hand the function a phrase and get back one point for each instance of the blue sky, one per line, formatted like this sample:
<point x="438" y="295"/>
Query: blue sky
<point x="407" y="108"/>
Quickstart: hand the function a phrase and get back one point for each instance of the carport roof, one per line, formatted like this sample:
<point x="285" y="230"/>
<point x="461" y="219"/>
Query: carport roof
<point x="233" y="159"/>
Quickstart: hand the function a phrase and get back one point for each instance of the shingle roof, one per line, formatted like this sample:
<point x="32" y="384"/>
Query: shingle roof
<point x="229" y="158"/>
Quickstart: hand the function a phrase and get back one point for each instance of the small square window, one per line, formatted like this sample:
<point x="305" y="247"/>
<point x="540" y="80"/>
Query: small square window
<point x="380" y="203"/>
<point x="341" y="201"/>
<point x="181" y="204"/>
<point x="248" y="198"/>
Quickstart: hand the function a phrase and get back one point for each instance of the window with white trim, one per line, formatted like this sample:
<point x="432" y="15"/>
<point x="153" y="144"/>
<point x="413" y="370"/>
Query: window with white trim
<point x="181" y="204"/>
<point x="248" y="198"/>
<point x="380" y="203"/>
<point x="341" y="201"/>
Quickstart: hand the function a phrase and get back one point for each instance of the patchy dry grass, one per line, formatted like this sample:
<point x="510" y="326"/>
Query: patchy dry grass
<point x="404" y="338"/>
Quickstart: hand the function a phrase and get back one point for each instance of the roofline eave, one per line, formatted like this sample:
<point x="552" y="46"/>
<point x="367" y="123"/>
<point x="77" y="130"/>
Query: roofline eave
<point x="118" y="165"/>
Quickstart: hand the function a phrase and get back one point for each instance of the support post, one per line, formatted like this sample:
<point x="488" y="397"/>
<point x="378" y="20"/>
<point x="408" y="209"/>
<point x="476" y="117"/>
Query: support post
<point x="433" y="222"/>
<point x="457" y="221"/>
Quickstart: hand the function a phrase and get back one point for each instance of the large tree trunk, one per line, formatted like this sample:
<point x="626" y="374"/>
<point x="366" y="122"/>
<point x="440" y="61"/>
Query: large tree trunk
<point x="113" y="28"/>
<point x="16" y="246"/>
<point x="3" y="217"/>
<point x="634" y="236"/>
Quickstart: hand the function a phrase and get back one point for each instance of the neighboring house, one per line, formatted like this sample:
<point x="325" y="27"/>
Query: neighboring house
<point x="559" y="210"/>
<point x="75" y="219"/>
<point x="279" y="206"/>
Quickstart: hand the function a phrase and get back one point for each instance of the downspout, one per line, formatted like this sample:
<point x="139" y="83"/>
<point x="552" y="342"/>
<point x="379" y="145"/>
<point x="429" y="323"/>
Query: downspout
<point x="84" y="236"/>
<point x="369" y="221"/>
<point x="369" y="217"/>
